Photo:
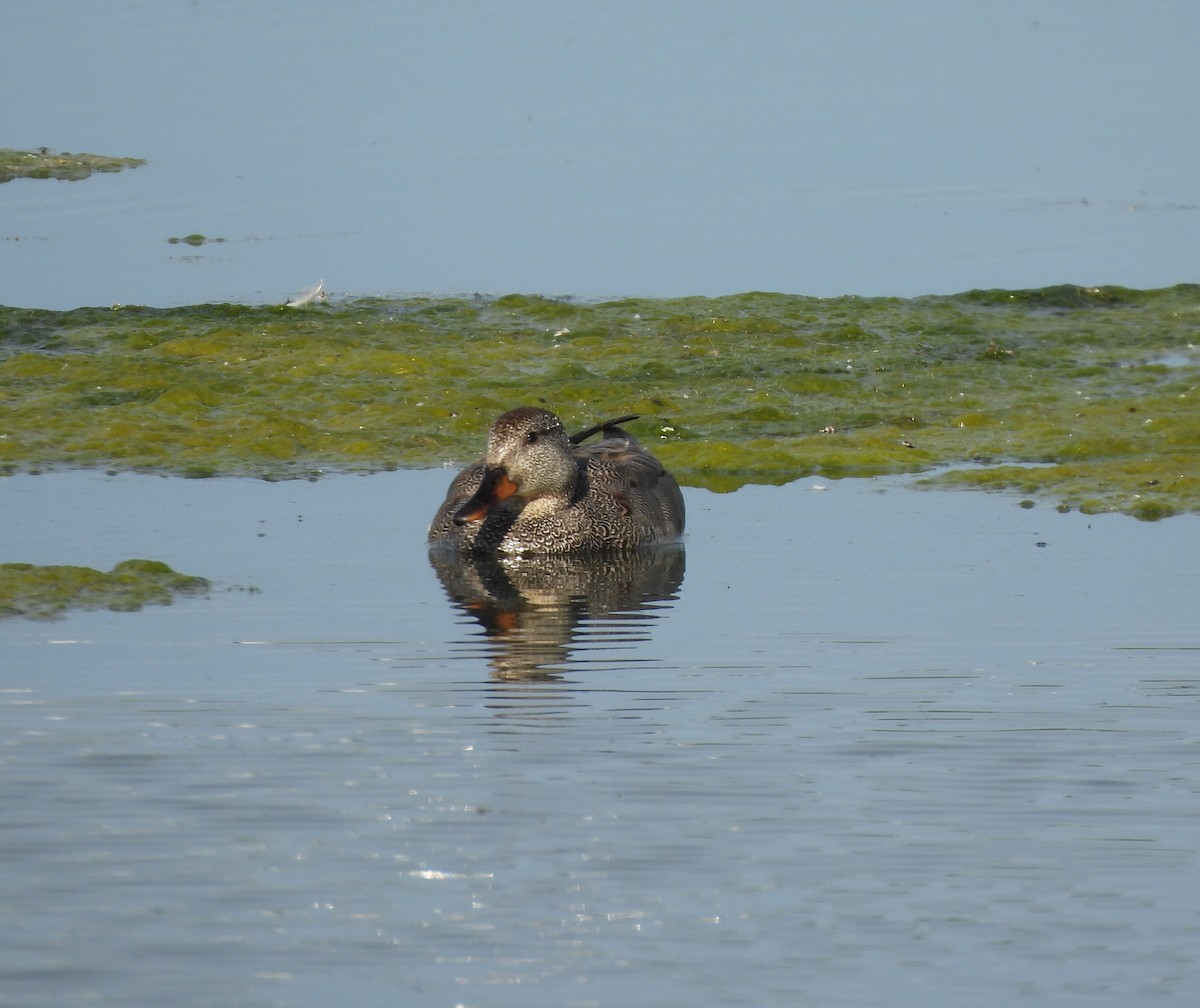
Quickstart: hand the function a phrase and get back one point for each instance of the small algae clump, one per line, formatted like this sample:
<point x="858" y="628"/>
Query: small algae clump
<point x="46" y="592"/>
<point x="43" y="163"/>
<point x="194" y="240"/>
<point x="1088" y="397"/>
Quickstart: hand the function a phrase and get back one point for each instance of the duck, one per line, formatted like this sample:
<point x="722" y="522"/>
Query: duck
<point x="539" y="491"/>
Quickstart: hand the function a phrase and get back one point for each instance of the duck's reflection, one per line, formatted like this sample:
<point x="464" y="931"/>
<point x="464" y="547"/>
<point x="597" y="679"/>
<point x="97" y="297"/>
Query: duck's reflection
<point x="540" y="613"/>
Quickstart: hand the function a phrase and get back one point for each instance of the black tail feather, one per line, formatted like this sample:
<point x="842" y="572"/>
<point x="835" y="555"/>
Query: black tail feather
<point x="583" y="435"/>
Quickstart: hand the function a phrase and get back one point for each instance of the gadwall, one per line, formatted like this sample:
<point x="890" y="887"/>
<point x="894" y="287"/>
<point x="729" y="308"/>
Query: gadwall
<point x="539" y="491"/>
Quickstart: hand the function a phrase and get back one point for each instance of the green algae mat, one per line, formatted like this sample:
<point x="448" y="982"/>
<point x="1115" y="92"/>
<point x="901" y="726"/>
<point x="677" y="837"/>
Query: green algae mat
<point x="44" y="164"/>
<point x="46" y="592"/>
<point x="1083" y="397"/>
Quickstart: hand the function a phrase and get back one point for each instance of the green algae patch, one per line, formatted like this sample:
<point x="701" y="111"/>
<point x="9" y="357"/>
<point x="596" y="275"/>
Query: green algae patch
<point x="46" y="592"/>
<point x="194" y="240"/>
<point x="43" y="163"/>
<point x="1086" y="397"/>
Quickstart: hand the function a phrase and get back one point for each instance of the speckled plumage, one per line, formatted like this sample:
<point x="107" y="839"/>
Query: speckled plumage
<point x="539" y="491"/>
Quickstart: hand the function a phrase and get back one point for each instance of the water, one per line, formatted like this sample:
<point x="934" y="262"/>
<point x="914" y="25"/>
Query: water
<point x="878" y="742"/>
<point x="859" y="745"/>
<point x="661" y="149"/>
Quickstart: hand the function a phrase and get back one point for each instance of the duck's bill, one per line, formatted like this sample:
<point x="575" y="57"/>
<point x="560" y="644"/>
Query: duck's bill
<point x="496" y="487"/>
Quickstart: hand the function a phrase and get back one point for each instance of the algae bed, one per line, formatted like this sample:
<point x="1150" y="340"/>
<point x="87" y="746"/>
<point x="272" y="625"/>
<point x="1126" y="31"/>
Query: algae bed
<point x="1086" y="397"/>
<point x="44" y="163"/>
<point x="45" y="592"/>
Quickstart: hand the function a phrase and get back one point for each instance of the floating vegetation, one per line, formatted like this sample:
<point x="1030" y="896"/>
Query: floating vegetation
<point x="195" y="239"/>
<point x="43" y="163"/>
<point x="1085" y="396"/>
<point x="46" y="592"/>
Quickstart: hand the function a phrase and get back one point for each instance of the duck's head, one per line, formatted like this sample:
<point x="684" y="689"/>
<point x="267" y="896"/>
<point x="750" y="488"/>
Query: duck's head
<point x="528" y="455"/>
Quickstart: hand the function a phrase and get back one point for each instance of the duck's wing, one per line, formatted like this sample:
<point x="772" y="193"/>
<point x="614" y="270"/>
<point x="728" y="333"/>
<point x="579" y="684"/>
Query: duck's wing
<point x="604" y="425"/>
<point x="622" y="473"/>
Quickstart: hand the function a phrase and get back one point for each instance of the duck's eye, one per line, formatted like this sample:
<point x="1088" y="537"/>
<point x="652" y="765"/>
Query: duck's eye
<point x="532" y="437"/>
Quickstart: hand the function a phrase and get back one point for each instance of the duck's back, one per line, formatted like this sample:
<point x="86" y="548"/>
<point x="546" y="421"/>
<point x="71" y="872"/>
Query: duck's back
<point x="630" y="495"/>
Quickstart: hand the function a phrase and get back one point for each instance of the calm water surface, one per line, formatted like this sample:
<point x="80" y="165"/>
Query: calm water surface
<point x="664" y="149"/>
<point x="859" y="746"/>
<point x="872" y="745"/>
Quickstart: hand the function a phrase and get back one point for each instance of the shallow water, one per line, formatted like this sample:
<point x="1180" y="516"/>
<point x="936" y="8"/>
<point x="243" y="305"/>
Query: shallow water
<point x="859" y="745"/>
<point x="658" y="149"/>
<point x="878" y="743"/>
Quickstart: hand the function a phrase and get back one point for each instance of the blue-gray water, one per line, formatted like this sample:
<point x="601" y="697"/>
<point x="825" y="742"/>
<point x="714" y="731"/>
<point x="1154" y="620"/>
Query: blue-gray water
<point x="621" y="148"/>
<point x="881" y="745"/>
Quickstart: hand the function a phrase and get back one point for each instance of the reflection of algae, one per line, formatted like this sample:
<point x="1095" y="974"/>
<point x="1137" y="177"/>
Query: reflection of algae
<point x="68" y="167"/>
<point x="754" y="388"/>
<point x="45" y="592"/>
